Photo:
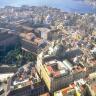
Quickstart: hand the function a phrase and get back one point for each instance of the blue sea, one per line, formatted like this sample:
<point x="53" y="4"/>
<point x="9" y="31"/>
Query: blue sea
<point x="64" y="5"/>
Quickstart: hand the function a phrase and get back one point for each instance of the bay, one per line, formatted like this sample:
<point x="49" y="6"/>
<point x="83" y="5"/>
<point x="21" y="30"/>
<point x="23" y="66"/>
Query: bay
<point x="65" y="5"/>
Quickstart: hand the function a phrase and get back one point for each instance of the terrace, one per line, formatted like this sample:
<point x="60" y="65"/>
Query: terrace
<point x="57" y="69"/>
<point x="73" y="88"/>
<point x="26" y="76"/>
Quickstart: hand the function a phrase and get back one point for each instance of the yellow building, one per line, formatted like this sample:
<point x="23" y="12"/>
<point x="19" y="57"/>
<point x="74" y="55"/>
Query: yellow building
<point x="55" y="73"/>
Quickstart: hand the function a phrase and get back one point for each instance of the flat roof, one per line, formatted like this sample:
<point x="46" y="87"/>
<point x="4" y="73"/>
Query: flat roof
<point x="25" y="76"/>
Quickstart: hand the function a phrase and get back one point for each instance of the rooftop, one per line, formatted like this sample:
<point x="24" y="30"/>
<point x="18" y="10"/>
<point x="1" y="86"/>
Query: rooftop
<point x="25" y="76"/>
<point x="92" y="62"/>
<point x="32" y="38"/>
<point x="43" y="29"/>
<point x="73" y="88"/>
<point x="56" y="68"/>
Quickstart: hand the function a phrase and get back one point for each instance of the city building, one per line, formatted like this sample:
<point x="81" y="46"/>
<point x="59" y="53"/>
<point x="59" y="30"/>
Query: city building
<point x="74" y="89"/>
<point x="25" y="82"/>
<point x="58" y="72"/>
<point x="8" y="41"/>
<point x="31" y="43"/>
